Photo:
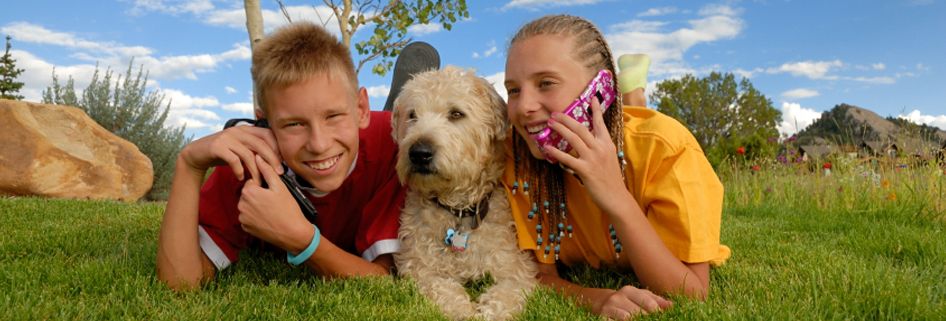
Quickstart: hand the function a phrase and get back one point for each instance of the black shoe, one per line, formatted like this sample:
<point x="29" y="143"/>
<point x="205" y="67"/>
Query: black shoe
<point x="416" y="57"/>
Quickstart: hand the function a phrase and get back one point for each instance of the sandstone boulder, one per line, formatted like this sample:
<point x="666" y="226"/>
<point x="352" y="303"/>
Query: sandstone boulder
<point x="58" y="151"/>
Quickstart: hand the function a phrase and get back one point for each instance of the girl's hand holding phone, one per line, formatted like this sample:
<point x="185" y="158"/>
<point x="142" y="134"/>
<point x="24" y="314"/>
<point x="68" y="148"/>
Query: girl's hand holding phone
<point x="595" y="159"/>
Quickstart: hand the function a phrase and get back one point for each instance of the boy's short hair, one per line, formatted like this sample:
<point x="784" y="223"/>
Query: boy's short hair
<point x="295" y="53"/>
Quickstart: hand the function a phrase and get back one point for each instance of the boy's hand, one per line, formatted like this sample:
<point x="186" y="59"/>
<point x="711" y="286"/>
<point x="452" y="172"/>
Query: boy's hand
<point x="272" y="215"/>
<point x="236" y="146"/>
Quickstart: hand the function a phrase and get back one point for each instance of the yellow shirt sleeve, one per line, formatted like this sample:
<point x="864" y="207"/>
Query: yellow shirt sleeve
<point x="675" y="185"/>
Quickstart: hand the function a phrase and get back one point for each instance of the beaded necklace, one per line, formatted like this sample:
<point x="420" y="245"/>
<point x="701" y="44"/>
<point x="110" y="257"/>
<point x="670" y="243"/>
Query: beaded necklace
<point x="544" y="188"/>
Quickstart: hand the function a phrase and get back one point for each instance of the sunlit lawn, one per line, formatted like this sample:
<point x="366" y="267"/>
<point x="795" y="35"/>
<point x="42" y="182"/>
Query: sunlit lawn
<point x="860" y="244"/>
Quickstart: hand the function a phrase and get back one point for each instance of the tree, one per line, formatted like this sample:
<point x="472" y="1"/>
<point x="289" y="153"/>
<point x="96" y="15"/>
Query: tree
<point x="721" y="114"/>
<point x="131" y="113"/>
<point x="9" y="87"/>
<point x="391" y="18"/>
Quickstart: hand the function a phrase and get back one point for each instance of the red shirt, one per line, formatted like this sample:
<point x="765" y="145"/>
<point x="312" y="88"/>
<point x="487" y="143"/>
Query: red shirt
<point x="360" y="217"/>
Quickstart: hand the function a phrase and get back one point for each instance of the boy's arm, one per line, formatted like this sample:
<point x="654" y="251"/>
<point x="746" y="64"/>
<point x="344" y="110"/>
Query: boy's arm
<point x="181" y="263"/>
<point x="272" y="215"/>
<point x="331" y="261"/>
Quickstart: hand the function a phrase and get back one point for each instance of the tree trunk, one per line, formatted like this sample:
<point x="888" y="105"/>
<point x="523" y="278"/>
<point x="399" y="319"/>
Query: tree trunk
<point x="254" y="26"/>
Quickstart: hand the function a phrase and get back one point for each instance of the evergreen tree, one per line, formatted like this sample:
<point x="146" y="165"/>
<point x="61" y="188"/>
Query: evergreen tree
<point x="132" y="113"/>
<point x="9" y="87"/>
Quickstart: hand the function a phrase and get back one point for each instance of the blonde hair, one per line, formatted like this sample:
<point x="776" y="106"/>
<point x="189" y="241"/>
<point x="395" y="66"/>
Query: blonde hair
<point x="295" y="53"/>
<point x="546" y="180"/>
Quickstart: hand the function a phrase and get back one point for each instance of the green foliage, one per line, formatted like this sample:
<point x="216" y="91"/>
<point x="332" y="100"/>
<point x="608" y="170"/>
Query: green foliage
<point x="805" y="247"/>
<point x="391" y="23"/>
<point x="9" y="87"/>
<point x="721" y="113"/>
<point x="132" y="113"/>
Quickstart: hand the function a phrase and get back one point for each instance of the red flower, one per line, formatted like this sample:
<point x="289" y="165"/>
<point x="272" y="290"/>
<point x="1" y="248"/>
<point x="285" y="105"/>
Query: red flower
<point x="741" y="150"/>
<point x="827" y="165"/>
<point x="756" y="168"/>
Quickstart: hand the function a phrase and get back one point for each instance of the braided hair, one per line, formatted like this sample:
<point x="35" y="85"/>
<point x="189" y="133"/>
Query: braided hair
<point x="546" y="181"/>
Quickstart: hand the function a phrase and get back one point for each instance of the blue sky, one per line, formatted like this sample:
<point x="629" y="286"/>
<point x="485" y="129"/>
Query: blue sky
<point x="806" y="56"/>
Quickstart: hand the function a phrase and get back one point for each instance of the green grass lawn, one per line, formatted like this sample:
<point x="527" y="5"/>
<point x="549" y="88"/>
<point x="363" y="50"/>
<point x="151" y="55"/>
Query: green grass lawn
<point x="805" y="247"/>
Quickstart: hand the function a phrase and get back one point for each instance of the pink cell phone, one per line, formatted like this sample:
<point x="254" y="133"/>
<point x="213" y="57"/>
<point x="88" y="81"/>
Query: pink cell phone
<point x="602" y="87"/>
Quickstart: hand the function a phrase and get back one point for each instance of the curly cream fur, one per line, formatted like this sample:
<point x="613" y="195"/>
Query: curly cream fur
<point x="468" y="162"/>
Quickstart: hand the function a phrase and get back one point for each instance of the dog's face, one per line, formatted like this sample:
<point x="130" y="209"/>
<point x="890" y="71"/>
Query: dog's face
<point x="448" y="124"/>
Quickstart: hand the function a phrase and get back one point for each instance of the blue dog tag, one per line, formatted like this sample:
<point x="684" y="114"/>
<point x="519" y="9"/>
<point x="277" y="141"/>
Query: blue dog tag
<point x="449" y="239"/>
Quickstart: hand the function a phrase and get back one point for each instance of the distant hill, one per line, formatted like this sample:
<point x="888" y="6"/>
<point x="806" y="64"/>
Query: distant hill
<point x="851" y="125"/>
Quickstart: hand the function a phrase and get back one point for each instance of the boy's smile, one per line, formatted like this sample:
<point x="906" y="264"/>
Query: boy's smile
<point x="316" y="124"/>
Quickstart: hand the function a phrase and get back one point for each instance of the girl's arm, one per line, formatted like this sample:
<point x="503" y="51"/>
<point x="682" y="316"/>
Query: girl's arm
<point x="614" y="304"/>
<point x="652" y="261"/>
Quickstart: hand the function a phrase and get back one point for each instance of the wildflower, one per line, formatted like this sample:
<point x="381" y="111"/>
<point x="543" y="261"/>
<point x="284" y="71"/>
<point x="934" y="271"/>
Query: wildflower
<point x="756" y="168"/>
<point x="741" y="150"/>
<point x="885" y="183"/>
<point x="827" y="165"/>
<point x="892" y="196"/>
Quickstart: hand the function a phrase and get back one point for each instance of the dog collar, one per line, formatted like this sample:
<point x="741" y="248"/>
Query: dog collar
<point x="476" y="212"/>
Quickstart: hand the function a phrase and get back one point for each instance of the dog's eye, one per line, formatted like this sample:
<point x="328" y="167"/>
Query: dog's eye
<point x="456" y="115"/>
<point x="411" y="115"/>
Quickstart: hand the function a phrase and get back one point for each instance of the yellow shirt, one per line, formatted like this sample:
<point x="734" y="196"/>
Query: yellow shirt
<point x="669" y="177"/>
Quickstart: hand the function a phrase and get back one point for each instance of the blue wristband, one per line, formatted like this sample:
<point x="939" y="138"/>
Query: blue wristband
<point x="305" y="254"/>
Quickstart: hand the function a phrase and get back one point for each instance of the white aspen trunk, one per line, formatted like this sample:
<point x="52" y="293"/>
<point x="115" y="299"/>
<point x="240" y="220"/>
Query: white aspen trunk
<point x="254" y="26"/>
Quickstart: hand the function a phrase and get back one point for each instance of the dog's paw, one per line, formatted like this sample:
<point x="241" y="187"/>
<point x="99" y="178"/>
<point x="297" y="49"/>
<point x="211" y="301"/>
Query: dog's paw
<point x="494" y="312"/>
<point x="458" y="310"/>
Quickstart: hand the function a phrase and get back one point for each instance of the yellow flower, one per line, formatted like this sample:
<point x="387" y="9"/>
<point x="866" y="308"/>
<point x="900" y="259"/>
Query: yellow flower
<point x="892" y="196"/>
<point x="885" y="183"/>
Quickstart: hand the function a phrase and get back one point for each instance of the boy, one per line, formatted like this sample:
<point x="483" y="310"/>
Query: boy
<point x="319" y="120"/>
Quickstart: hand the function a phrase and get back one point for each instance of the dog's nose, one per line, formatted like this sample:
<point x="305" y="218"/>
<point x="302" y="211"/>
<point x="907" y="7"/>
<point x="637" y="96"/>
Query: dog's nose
<point x="421" y="154"/>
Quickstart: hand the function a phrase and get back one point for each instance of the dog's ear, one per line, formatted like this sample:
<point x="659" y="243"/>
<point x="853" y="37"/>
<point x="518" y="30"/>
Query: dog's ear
<point x="395" y="123"/>
<point x="496" y="105"/>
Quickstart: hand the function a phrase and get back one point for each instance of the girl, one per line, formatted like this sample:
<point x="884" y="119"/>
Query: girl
<point x="636" y="192"/>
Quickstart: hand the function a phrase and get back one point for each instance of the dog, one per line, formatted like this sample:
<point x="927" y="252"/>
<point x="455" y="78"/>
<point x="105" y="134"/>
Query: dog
<point x="456" y="225"/>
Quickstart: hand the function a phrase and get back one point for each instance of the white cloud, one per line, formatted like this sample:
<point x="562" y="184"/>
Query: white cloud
<point x="653" y="12"/>
<point x="810" y="69"/>
<point x="117" y="56"/>
<point x="666" y="49"/>
<point x="380" y="91"/>
<point x="181" y="100"/>
<point x="535" y="4"/>
<point x="930" y="120"/>
<point x="638" y="26"/>
<point x="177" y="7"/>
<point x="800" y="93"/>
<point x="497" y="81"/>
<point x="489" y="52"/>
<point x="28" y="32"/>
<point x="795" y="118"/>
<point x="878" y="66"/>
<point x="243" y="108"/>
<point x="236" y="18"/>
<point x="873" y="80"/>
<point x="424" y="29"/>
<point x="719" y="10"/>
<point x="747" y="73"/>
<point x="230" y="90"/>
